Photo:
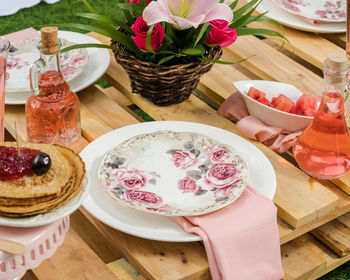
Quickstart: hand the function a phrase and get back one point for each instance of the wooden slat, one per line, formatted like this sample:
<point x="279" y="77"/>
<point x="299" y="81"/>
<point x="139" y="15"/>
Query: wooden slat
<point x="309" y="46"/>
<point x="93" y="238"/>
<point x="74" y="260"/>
<point x="158" y="260"/>
<point x="336" y="235"/>
<point x="124" y="270"/>
<point x="300" y="262"/>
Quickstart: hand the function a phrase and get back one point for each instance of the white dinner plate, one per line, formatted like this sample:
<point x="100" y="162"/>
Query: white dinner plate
<point x="98" y="62"/>
<point x="25" y="52"/>
<point x="285" y="18"/>
<point x="152" y="226"/>
<point x="47" y="218"/>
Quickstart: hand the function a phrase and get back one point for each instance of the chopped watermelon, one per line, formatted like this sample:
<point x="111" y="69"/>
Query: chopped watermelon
<point x="283" y="103"/>
<point x="259" y="96"/>
<point x="306" y="105"/>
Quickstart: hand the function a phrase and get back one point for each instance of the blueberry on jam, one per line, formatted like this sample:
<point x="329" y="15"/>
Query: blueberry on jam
<point x="41" y="163"/>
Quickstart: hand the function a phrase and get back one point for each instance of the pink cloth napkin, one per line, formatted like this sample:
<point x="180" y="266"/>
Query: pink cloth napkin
<point x="22" y="35"/>
<point x="275" y="138"/>
<point x="241" y="240"/>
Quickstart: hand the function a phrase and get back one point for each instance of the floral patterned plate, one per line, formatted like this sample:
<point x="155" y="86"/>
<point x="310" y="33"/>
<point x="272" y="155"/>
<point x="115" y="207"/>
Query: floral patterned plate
<point x="23" y="53"/>
<point x="173" y="173"/>
<point x="320" y="10"/>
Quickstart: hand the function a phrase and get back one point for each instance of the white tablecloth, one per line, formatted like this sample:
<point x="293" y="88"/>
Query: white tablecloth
<point x="9" y="7"/>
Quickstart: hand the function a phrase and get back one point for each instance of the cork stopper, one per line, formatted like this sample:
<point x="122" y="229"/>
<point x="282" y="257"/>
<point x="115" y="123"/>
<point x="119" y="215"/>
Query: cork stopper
<point x="337" y="62"/>
<point x="49" y="40"/>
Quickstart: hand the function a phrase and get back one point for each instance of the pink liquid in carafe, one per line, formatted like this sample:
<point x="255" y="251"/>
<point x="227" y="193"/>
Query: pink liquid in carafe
<point x="323" y="150"/>
<point x="54" y="111"/>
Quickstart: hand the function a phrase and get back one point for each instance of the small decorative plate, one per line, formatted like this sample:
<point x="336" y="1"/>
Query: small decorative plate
<point x="173" y="173"/>
<point x="320" y="10"/>
<point x="23" y="53"/>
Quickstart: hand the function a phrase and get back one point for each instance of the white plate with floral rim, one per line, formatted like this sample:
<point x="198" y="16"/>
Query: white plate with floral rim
<point x="320" y="10"/>
<point x="23" y="53"/>
<point x="159" y="227"/>
<point x="97" y="64"/>
<point x="173" y="173"/>
<point x="287" y="19"/>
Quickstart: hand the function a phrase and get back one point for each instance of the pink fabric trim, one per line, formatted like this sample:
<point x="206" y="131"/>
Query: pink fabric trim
<point x="275" y="138"/>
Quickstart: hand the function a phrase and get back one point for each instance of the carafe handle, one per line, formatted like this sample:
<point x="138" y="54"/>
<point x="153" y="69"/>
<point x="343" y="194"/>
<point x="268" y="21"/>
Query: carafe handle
<point x="33" y="75"/>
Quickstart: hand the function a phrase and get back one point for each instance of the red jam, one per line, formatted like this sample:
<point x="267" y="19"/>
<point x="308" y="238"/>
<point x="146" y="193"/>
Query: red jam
<point x="13" y="167"/>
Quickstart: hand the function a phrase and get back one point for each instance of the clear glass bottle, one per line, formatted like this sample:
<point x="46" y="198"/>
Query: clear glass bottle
<point x="52" y="109"/>
<point x="323" y="150"/>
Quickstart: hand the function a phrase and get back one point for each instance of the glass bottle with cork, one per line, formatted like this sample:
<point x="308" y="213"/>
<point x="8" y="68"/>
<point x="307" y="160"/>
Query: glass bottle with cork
<point x="53" y="109"/>
<point x="323" y="150"/>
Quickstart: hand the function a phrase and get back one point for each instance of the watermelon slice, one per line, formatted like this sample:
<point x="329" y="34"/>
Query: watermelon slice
<point x="306" y="105"/>
<point x="259" y="96"/>
<point x="283" y="103"/>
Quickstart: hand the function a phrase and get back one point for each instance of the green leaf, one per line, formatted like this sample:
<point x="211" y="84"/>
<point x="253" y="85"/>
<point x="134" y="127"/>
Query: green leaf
<point x="233" y="4"/>
<point x="127" y="6"/>
<point x="242" y="20"/>
<point x="87" y="5"/>
<point x="269" y="20"/>
<point x="120" y="37"/>
<point x="242" y="31"/>
<point x="82" y="46"/>
<point x="143" y="4"/>
<point x="223" y="62"/>
<point x="201" y="32"/>
<point x="237" y="14"/>
<point x="165" y="59"/>
<point x="106" y="20"/>
<point x="149" y="39"/>
<point x="192" y="51"/>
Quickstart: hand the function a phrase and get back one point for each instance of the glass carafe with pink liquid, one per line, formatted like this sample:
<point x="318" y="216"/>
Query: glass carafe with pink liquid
<point x="52" y="111"/>
<point x="323" y="150"/>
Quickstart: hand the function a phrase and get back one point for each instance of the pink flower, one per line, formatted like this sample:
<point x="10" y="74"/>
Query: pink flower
<point x="220" y="34"/>
<point x="141" y="28"/>
<point x="187" y="185"/>
<point x="222" y="175"/>
<point x="321" y="13"/>
<point x="75" y="60"/>
<point x="130" y="179"/>
<point x="184" y="159"/>
<point x="143" y="197"/>
<point x="223" y="193"/>
<point x="216" y="153"/>
<point x="166" y="208"/>
<point x="137" y="1"/>
<point x="67" y="71"/>
<point x="186" y="14"/>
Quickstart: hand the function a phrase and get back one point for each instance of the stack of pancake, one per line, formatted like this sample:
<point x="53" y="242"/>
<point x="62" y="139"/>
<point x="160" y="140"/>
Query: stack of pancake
<point x="33" y="194"/>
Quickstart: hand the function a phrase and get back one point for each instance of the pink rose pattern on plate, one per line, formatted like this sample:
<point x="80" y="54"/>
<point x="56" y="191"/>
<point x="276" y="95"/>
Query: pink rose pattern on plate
<point x="209" y="170"/>
<point x="335" y="9"/>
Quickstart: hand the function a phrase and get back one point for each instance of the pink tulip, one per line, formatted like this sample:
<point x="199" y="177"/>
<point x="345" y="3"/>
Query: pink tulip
<point x="185" y="14"/>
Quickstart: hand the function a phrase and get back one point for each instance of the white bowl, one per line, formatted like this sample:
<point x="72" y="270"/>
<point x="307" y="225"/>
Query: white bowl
<point x="268" y="115"/>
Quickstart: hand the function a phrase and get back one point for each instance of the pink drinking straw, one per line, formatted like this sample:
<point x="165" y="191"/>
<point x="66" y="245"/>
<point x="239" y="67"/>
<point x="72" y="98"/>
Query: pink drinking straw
<point x="4" y="48"/>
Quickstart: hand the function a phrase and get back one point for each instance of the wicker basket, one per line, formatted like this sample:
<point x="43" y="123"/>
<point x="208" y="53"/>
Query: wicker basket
<point x="164" y="85"/>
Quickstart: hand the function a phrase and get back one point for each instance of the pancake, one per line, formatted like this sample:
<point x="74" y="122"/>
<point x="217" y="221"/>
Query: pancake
<point x="66" y="162"/>
<point x="38" y="186"/>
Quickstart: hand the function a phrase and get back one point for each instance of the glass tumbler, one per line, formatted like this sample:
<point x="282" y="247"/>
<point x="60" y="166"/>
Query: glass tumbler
<point x="4" y="48"/>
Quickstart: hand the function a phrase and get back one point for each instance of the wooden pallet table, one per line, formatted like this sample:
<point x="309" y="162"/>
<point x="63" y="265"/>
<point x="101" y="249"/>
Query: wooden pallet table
<point x="314" y="215"/>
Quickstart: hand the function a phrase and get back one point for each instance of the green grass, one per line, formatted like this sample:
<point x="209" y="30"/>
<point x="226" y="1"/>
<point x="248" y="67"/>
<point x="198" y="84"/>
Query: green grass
<point x="63" y="12"/>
